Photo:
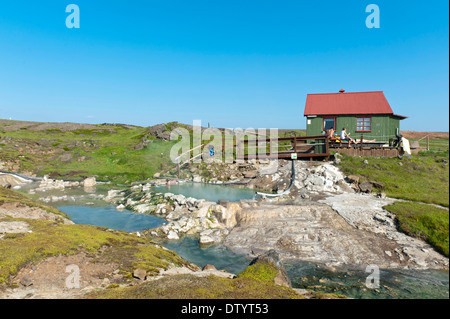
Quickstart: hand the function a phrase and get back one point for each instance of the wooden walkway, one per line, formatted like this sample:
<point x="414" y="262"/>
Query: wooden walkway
<point x="294" y="147"/>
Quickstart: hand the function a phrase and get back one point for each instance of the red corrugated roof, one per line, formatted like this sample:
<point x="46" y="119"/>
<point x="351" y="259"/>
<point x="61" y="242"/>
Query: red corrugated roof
<point x="347" y="103"/>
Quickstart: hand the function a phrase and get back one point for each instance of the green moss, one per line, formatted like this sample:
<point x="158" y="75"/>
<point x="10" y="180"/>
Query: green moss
<point x="260" y="271"/>
<point x="422" y="178"/>
<point x="50" y="238"/>
<point x="425" y="222"/>
<point x="192" y="287"/>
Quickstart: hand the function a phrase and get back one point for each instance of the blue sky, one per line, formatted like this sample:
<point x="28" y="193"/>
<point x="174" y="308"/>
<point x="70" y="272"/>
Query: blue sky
<point x="230" y="63"/>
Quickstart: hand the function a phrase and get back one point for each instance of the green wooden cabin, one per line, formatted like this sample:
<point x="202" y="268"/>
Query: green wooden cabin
<point x="362" y="113"/>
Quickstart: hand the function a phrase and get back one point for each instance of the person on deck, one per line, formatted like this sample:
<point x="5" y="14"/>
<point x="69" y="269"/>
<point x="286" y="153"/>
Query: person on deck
<point x="346" y="137"/>
<point x="330" y="133"/>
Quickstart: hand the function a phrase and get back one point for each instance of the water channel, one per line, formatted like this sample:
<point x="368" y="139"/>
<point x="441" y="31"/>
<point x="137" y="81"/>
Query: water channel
<point x="393" y="283"/>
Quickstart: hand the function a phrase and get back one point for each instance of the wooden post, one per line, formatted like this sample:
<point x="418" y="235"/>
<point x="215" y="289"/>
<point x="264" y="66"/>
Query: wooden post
<point x="270" y="147"/>
<point x="361" y="146"/>
<point x="295" y="144"/>
<point x="428" y="142"/>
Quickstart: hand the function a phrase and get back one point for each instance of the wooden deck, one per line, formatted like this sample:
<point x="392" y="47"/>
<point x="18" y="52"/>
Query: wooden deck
<point x="365" y="149"/>
<point x="295" y="147"/>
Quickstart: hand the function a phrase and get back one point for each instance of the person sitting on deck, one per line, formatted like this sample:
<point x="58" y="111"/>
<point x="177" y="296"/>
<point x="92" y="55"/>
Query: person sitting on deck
<point x="346" y="137"/>
<point x="330" y="133"/>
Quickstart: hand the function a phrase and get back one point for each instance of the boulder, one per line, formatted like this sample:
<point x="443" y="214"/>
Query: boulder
<point x="378" y="185"/>
<point x="365" y="187"/>
<point x="67" y="157"/>
<point x="197" y="179"/>
<point x="250" y="174"/>
<point x="353" y="179"/>
<point x="209" y="267"/>
<point x="26" y="281"/>
<point x="140" y="274"/>
<point x="89" y="182"/>
<point x="173" y="235"/>
<point x="272" y="258"/>
<point x="414" y="144"/>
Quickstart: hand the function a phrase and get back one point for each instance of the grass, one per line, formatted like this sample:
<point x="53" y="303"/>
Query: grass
<point x="423" y="221"/>
<point x="107" y="152"/>
<point x="435" y="143"/>
<point x="50" y="239"/>
<point x="422" y="179"/>
<point x="193" y="287"/>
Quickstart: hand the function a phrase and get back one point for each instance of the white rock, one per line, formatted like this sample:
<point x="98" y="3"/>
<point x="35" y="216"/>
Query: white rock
<point x="172" y="235"/>
<point x="89" y="182"/>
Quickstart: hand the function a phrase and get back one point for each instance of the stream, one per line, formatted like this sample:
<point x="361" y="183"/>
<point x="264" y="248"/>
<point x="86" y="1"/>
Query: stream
<point x="394" y="284"/>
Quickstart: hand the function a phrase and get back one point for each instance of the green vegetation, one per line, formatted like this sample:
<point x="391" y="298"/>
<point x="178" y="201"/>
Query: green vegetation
<point x="435" y="144"/>
<point x="422" y="180"/>
<point x="260" y="271"/>
<point x="49" y="239"/>
<point x="108" y="152"/>
<point x="423" y="221"/>
<point x="192" y="287"/>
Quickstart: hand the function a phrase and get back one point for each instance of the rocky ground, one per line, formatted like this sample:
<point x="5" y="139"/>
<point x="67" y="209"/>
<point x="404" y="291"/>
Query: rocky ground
<point x="326" y="218"/>
<point x="103" y="263"/>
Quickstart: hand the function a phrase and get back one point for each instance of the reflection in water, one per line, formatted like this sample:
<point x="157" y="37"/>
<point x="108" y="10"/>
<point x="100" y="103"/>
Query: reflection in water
<point x="110" y="217"/>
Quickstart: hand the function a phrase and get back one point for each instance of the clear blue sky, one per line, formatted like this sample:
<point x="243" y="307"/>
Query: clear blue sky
<point x="232" y="63"/>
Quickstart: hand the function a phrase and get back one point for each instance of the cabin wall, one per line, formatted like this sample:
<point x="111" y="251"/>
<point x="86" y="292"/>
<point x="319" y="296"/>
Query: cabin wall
<point x="383" y="126"/>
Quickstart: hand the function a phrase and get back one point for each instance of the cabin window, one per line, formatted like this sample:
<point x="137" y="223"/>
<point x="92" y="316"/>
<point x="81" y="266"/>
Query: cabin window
<point x="364" y="124"/>
<point x="329" y="122"/>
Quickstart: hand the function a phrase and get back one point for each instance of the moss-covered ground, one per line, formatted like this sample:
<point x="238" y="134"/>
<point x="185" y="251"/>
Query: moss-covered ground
<point x="422" y="180"/>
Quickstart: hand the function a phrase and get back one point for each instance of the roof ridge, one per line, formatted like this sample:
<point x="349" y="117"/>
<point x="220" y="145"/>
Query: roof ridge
<point x="345" y="93"/>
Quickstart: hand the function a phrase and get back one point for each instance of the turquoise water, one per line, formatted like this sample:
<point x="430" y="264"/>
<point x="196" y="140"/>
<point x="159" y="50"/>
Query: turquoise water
<point x="393" y="284"/>
<point x="188" y="247"/>
<point x="217" y="255"/>
<point x="209" y="192"/>
<point x="110" y="217"/>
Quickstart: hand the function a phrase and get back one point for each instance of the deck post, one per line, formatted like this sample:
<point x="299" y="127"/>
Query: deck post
<point x="361" y="146"/>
